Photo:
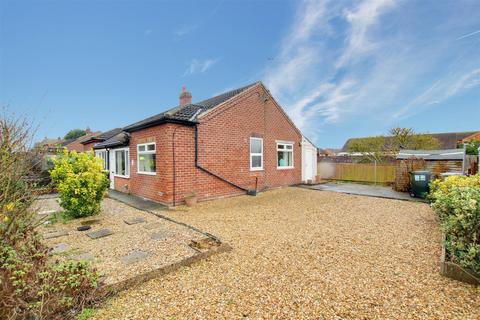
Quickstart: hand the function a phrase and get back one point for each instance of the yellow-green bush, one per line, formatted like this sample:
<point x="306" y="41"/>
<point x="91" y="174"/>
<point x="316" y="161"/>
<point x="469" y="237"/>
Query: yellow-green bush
<point x="457" y="202"/>
<point x="81" y="182"/>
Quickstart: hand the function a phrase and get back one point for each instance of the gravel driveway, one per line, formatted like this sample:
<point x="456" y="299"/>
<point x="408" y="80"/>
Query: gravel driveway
<point x="305" y="254"/>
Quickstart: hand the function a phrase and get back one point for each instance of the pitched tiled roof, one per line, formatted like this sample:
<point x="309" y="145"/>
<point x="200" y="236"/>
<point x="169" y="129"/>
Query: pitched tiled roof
<point x="189" y="112"/>
<point x="118" y="140"/>
<point x="103" y="136"/>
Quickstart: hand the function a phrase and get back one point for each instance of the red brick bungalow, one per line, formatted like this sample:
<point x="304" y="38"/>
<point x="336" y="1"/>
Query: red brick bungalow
<point x="235" y="143"/>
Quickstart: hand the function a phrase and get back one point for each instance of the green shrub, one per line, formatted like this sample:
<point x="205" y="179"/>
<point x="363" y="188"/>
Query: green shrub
<point x="81" y="182"/>
<point x="457" y="202"/>
<point x="33" y="285"/>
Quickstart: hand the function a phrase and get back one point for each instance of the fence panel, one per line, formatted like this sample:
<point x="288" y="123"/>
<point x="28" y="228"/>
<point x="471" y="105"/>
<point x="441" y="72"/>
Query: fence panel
<point x="382" y="173"/>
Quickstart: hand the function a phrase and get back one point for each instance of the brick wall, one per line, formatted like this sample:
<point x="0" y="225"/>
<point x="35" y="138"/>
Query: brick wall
<point x="224" y="141"/>
<point x="122" y="184"/>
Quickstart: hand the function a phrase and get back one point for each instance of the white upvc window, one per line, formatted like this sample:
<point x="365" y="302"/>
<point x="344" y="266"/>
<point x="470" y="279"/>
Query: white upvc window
<point x="285" y="155"/>
<point x="256" y="154"/>
<point x="102" y="154"/>
<point x="146" y="158"/>
<point x="122" y="162"/>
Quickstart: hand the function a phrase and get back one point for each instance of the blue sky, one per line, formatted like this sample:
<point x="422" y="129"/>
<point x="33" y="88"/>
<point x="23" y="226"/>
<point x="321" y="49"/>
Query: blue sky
<point x="339" y="68"/>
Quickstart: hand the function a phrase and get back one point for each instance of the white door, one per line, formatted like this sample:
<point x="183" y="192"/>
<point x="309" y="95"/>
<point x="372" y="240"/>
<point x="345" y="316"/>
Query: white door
<point x="111" y="155"/>
<point x="308" y="164"/>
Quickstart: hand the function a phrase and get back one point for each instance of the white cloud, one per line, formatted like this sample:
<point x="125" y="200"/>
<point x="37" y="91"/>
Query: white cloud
<point x="468" y="35"/>
<point x="199" y="66"/>
<point x="342" y="60"/>
<point x="361" y="19"/>
<point x="184" y="30"/>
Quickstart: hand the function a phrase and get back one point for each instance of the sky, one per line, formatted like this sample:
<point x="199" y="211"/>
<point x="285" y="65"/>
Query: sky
<point x="340" y="69"/>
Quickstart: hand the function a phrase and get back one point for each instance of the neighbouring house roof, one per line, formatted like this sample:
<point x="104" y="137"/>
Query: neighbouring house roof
<point x="447" y="140"/>
<point x="188" y="113"/>
<point x="67" y="142"/>
<point x="449" y="154"/>
<point x="102" y="136"/>
<point x="119" y="140"/>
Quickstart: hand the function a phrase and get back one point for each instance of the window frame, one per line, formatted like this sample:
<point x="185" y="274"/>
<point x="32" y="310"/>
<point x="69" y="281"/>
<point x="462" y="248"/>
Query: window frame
<point x="99" y="153"/>
<point x="255" y="154"/>
<point x="127" y="162"/>
<point x="286" y="143"/>
<point x="146" y="152"/>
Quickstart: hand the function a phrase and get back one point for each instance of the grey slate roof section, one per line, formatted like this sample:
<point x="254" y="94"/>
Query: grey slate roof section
<point x="119" y="140"/>
<point x="449" y="154"/>
<point x="104" y="136"/>
<point x="110" y="133"/>
<point x="189" y="112"/>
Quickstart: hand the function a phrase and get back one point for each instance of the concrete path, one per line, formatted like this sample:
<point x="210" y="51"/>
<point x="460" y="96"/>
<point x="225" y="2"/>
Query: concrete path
<point x="364" y="190"/>
<point x="136" y="202"/>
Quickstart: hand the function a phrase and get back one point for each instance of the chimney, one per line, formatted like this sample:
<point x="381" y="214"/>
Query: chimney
<point x="185" y="97"/>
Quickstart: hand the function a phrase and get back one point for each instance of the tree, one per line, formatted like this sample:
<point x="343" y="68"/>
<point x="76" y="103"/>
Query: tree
<point x="371" y="148"/>
<point x="74" y="134"/>
<point x="377" y="148"/>
<point x="472" y="147"/>
<point x="406" y="138"/>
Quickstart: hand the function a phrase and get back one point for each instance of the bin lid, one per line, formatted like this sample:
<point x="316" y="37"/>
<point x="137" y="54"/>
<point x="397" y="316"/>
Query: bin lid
<point x="421" y="172"/>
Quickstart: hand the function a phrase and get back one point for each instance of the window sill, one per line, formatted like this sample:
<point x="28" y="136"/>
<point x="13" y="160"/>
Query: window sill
<point x="121" y="176"/>
<point x="147" y="173"/>
<point x="285" y="168"/>
<point x="256" y="169"/>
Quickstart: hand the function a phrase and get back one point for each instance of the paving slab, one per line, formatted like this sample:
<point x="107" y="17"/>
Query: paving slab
<point x="161" y="235"/>
<point x="364" y="190"/>
<point x="84" y="256"/>
<point x="153" y="225"/>
<point x="55" y="234"/>
<point x="134" y="256"/>
<point x="134" y="220"/>
<point x="136" y="202"/>
<point x="58" y="248"/>
<point x="99" y="233"/>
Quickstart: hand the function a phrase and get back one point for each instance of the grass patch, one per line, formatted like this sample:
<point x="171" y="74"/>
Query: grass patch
<point x="86" y="314"/>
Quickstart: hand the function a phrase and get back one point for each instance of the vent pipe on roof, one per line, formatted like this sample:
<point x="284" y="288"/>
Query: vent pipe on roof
<point x="185" y="97"/>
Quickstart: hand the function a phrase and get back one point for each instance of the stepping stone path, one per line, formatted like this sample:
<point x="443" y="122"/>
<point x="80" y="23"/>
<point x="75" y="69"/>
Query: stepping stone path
<point x="61" y="247"/>
<point x="134" y="220"/>
<point x="134" y="256"/>
<point x="55" y="234"/>
<point x="99" y="233"/>
<point x="161" y="235"/>
<point x="153" y="225"/>
<point x="84" y="256"/>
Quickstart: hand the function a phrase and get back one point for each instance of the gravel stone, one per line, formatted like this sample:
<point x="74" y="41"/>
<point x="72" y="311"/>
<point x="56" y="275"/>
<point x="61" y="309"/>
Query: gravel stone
<point x="305" y="254"/>
<point x="107" y="251"/>
<point x="161" y="235"/>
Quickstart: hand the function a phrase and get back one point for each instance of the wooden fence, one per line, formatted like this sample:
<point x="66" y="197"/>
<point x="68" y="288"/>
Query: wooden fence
<point x="360" y="172"/>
